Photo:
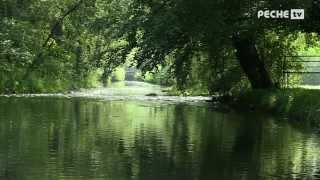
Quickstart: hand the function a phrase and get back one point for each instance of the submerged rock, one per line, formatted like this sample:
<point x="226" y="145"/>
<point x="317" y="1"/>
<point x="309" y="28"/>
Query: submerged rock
<point x="152" y="94"/>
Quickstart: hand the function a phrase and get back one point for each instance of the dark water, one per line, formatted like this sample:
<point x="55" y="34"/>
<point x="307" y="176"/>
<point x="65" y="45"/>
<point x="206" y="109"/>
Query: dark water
<point x="50" y="138"/>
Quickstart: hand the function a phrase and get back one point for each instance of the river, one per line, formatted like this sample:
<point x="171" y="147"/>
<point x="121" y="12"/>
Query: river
<point x="118" y="133"/>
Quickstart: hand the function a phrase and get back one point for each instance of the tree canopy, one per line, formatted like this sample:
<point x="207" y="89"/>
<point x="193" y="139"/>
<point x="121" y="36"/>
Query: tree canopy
<point x="61" y="44"/>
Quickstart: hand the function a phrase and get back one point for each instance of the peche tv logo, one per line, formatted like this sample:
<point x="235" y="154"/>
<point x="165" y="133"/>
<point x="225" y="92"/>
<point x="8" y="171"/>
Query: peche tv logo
<point x="293" y="14"/>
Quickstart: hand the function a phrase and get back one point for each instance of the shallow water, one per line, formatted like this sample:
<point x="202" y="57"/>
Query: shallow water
<point x="122" y="91"/>
<point x="58" y="138"/>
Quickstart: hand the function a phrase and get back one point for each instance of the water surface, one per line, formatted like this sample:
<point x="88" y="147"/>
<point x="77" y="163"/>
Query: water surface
<point x="77" y="138"/>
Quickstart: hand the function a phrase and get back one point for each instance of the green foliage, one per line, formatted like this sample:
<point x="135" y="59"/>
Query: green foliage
<point x="63" y="44"/>
<point x="119" y="74"/>
<point x="197" y="36"/>
<point x="298" y="104"/>
<point x="50" y="46"/>
<point x="162" y="77"/>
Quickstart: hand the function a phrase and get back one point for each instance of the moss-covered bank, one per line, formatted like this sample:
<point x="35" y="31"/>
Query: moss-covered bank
<point x="298" y="104"/>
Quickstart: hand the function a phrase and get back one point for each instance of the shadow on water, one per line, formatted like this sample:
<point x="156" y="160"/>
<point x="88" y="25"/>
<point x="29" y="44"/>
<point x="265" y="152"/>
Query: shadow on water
<point x="58" y="138"/>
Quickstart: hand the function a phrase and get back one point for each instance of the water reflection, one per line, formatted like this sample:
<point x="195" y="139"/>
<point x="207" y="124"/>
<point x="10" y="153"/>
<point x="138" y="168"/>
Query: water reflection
<point x="56" y="138"/>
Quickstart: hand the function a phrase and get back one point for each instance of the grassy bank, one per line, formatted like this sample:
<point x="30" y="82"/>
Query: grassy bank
<point x="298" y="104"/>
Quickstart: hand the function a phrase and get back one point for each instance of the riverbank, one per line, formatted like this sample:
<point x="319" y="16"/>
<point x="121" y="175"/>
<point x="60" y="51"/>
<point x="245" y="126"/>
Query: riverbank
<point x="302" y="105"/>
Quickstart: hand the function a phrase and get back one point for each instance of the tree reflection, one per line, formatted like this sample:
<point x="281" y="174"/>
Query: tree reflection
<point x="83" y="139"/>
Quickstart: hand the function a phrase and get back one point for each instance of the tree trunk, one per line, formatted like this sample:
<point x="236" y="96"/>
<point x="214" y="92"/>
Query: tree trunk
<point x="251" y="64"/>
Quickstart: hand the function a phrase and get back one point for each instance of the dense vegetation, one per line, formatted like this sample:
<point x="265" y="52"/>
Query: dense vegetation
<point x="299" y="105"/>
<point x="195" y="45"/>
<point x="58" y="45"/>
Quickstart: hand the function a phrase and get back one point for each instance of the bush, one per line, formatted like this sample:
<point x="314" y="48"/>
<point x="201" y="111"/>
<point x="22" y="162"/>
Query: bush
<point x="119" y="74"/>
